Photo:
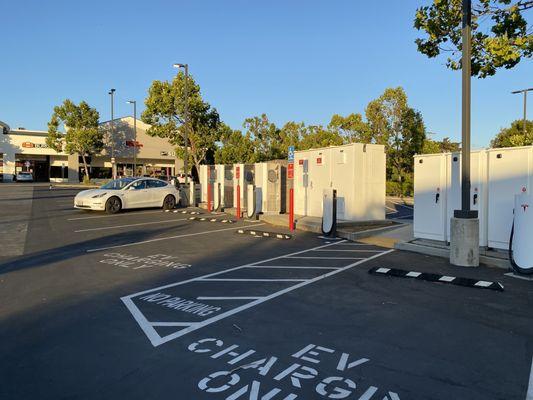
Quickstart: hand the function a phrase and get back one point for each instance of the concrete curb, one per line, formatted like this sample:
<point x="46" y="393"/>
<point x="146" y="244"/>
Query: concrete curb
<point x="366" y="233"/>
<point x="445" y="253"/>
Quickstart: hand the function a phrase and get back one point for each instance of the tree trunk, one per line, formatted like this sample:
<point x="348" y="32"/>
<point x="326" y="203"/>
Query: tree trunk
<point x="86" y="170"/>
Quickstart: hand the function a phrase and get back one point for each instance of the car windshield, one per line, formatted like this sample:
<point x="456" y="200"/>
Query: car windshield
<point x="117" y="184"/>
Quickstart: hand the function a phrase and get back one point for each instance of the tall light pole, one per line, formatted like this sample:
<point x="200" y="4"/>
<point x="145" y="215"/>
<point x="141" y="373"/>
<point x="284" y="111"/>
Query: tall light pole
<point x="464" y="226"/>
<point x="134" y="102"/>
<point x="186" y="134"/>
<point x="113" y="170"/>
<point x="525" y="105"/>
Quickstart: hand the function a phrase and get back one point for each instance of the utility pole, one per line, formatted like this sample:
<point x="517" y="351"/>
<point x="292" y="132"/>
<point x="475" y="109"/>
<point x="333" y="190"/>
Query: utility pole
<point x="525" y="106"/>
<point x="134" y="102"/>
<point x="186" y="130"/>
<point x="112" y="136"/>
<point x="464" y="226"/>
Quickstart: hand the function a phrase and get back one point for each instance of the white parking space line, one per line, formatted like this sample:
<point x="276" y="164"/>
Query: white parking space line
<point x="173" y="323"/>
<point x="248" y="280"/>
<point x="156" y="340"/>
<point x="227" y="298"/>
<point x="529" y="395"/>
<point x="166" y="238"/>
<point x="288" y="267"/>
<point x="115" y="215"/>
<point x="328" y="258"/>
<point x="130" y="225"/>
<point x="357" y="251"/>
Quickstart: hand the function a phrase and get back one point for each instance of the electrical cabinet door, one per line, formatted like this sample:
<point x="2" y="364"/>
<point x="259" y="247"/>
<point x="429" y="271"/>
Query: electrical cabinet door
<point x="509" y="171"/>
<point x="430" y="197"/>
<point x="478" y="188"/>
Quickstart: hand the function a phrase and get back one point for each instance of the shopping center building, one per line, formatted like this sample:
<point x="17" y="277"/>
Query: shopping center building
<point x="26" y="150"/>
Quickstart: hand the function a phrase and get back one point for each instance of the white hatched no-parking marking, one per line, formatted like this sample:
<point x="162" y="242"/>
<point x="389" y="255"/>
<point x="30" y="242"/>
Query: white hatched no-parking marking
<point x="170" y="304"/>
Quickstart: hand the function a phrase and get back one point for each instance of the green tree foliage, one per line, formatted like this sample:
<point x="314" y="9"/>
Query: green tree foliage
<point x="397" y="126"/>
<point x="266" y="138"/>
<point x="514" y="135"/>
<point x="316" y="136"/>
<point x="352" y="128"/>
<point x="82" y="133"/>
<point x="444" y="146"/>
<point x="165" y="112"/>
<point x="235" y="147"/>
<point x="500" y="35"/>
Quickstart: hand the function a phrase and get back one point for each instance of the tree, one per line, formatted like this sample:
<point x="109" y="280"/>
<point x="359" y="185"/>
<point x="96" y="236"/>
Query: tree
<point x="413" y="137"/>
<point x="443" y="146"/>
<point x="266" y="138"/>
<point x="514" y="135"/>
<point x="82" y="133"/>
<point x="165" y="112"/>
<point x="316" y="136"/>
<point x="352" y="128"/>
<point x="500" y="35"/>
<point x="397" y="126"/>
<point x="235" y="147"/>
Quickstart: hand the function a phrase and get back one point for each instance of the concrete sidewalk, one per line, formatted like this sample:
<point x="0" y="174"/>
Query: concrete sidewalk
<point x="386" y="233"/>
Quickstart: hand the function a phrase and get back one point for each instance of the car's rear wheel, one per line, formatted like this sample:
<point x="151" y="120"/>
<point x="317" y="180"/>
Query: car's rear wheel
<point x="113" y="205"/>
<point x="169" y="202"/>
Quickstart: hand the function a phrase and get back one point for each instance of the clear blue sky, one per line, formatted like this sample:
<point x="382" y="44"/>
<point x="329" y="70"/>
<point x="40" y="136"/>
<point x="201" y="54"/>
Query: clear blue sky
<point x="294" y="60"/>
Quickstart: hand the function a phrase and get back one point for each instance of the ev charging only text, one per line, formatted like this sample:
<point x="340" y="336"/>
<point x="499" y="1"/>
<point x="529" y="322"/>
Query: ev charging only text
<point x="270" y="373"/>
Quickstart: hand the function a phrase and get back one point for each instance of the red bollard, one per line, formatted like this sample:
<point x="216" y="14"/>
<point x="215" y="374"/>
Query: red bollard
<point x="238" y="214"/>
<point x="291" y="209"/>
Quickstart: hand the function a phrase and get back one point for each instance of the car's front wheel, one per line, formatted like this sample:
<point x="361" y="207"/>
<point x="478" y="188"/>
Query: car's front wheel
<point x="169" y="203"/>
<point x="113" y="205"/>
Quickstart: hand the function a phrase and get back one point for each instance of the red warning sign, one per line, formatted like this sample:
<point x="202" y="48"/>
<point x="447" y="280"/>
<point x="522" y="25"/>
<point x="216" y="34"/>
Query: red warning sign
<point x="237" y="172"/>
<point x="319" y="161"/>
<point x="290" y="171"/>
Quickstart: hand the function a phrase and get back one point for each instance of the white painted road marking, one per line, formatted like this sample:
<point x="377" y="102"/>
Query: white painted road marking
<point x="114" y="215"/>
<point x="130" y="225"/>
<point x="357" y="251"/>
<point x="227" y="298"/>
<point x="328" y="258"/>
<point x="288" y="267"/>
<point x="163" y="238"/>
<point x="156" y="339"/>
<point x="529" y="395"/>
<point x="249" y="280"/>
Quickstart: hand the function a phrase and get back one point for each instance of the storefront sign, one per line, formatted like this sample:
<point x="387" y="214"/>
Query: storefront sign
<point x="30" y="145"/>
<point x="133" y="143"/>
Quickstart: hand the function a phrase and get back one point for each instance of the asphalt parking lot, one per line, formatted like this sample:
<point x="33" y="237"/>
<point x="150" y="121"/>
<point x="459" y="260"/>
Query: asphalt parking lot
<point x="153" y="305"/>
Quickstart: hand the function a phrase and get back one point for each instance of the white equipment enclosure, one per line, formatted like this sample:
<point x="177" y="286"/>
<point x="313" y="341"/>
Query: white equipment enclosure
<point x="271" y="185"/>
<point x="497" y="175"/>
<point x="356" y="171"/>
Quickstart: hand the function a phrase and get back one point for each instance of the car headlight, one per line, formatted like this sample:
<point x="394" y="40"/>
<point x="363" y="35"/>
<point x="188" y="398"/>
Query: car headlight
<point x="97" y="196"/>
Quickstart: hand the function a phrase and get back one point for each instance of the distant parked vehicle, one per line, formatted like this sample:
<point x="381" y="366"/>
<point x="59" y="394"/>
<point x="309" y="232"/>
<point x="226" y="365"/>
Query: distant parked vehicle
<point x="24" y="177"/>
<point x="181" y="178"/>
<point x="126" y="193"/>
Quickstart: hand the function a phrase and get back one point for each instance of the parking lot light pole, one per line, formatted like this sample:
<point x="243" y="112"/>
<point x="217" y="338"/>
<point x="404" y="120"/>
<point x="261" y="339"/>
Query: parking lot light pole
<point x="464" y="226"/>
<point x="525" y="105"/>
<point x="185" y="134"/>
<point x="113" y="169"/>
<point x="134" y="102"/>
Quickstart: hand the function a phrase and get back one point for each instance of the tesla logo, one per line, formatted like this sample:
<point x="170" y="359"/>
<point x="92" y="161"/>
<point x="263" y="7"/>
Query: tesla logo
<point x="525" y="207"/>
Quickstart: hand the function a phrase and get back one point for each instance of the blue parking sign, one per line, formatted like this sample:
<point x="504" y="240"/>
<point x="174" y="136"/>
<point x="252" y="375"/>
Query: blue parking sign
<point x="291" y="154"/>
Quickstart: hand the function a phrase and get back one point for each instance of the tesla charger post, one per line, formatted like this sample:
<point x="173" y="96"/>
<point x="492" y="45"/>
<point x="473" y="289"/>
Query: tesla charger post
<point x="329" y="212"/>
<point x="521" y="240"/>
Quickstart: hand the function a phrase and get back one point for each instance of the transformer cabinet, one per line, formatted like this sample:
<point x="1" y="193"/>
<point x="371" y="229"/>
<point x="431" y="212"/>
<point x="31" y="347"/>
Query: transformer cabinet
<point x="431" y="181"/>
<point x="271" y="181"/>
<point x="356" y="171"/>
<point x="510" y="172"/>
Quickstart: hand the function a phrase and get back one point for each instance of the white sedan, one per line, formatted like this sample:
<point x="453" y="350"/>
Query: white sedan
<point x="126" y="193"/>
